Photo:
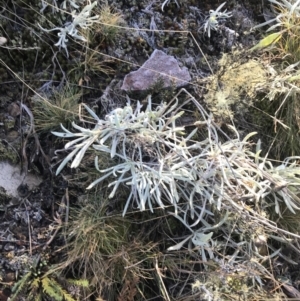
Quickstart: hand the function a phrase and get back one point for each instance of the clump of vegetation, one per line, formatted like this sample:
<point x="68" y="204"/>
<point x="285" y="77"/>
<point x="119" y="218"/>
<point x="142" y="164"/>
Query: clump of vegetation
<point x="285" y="41"/>
<point x="109" y="25"/>
<point x="82" y="19"/>
<point x="104" y="31"/>
<point x="283" y="46"/>
<point x="215" y="16"/>
<point x="8" y="153"/>
<point x="162" y="166"/>
<point x="60" y="107"/>
<point x="36" y="284"/>
<point x="106" y="249"/>
<point x="141" y="134"/>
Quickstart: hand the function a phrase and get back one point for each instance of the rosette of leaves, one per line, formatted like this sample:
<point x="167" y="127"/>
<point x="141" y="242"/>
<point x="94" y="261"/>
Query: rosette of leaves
<point x="215" y="16"/>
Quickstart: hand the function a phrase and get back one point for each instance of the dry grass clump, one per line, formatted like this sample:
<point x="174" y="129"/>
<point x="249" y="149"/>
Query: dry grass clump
<point x="278" y="112"/>
<point x="91" y="62"/>
<point x="60" y="107"/>
<point x="104" y="248"/>
<point x="285" y="40"/>
<point x="110" y="23"/>
<point x="287" y="136"/>
<point x="283" y="48"/>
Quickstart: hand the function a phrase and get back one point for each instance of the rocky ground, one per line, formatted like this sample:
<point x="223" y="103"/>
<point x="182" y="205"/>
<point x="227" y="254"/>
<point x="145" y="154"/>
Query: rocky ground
<point x="41" y="86"/>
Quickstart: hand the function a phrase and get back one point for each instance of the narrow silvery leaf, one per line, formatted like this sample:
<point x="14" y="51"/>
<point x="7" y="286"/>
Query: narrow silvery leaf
<point x="81" y="129"/>
<point x="71" y="143"/>
<point x="179" y="245"/>
<point x="63" y="135"/>
<point x="96" y="163"/>
<point x="258" y="146"/>
<point x="117" y="121"/>
<point x="210" y="253"/>
<point x="157" y="196"/>
<point x="166" y="109"/>
<point x="292" y="9"/>
<point x="274" y="254"/>
<point x="119" y="181"/>
<point x="168" y="195"/>
<point x="248" y="136"/>
<point x="201" y="239"/>
<point x="164" y="4"/>
<point x="127" y="203"/>
<point x="281" y="239"/>
<point x="103" y="139"/>
<point x="182" y="221"/>
<point x="191" y="134"/>
<point x="66" y="160"/>
<point x="219" y="201"/>
<point x="116" y="185"/>
<point x="80" y="155"/>
<point x="203" y="256"/>
<point x="114" y="147"/>
<point x="288" y="201"/>
<point x="147" y="195"/>
<point x="200" y="216"/>
<point x="99" y="180"/>
<point x="219" y="224"/>
<point x="102" y="148"/>
<point x="219" y="7"/>
<point x="66" y="130"/>
<point x="277" y="207"/>
<point x="142" y="197"/>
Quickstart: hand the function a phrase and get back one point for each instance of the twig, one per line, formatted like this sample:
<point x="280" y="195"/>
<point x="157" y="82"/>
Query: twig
<point x="163" y="287"/>
<point x="67" y="205"/>
<point x="29" y="233"/>
<point x="38" y="147"/>
<point x="59" y="222"/>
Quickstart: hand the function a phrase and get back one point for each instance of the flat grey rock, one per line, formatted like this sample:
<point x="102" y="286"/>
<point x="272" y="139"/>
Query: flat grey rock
<point x="159" y="66"/>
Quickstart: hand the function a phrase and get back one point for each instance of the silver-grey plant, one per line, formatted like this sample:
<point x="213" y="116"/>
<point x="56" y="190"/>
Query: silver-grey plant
<point x="212" y="21"/>
<point x="286" y="8"/>
<point x="163" y="166"/>
<point x="131" y="134"/>
<point x="81" y="19"/>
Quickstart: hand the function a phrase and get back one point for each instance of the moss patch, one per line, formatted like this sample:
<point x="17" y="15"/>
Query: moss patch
<point x="234" y="86"/>
<point x="8" y="153"/>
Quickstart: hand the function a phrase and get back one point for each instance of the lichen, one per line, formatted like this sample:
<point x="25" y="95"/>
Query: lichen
<point x="8" y="153"/>
<point x="233" y="87"/>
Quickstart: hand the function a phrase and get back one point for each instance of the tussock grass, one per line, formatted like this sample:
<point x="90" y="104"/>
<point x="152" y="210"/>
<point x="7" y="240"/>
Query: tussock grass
<point x="60" y="107"/>
<point x="282" y="47"/>
<point x="106" y="249"/>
